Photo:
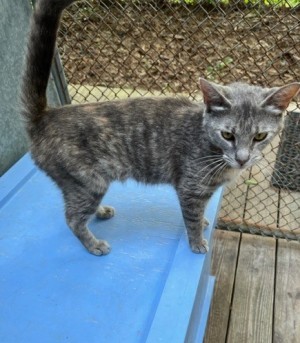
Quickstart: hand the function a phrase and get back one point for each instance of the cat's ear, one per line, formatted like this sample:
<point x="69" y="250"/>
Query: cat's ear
<point x="279" y="99"/>
<point x="213" y="97"/>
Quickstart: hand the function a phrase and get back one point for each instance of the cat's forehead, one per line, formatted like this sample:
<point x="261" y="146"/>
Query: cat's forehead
<point x="247" y="117"/>
<point x="238" y="123"/>
<point x="246" y="112"/>
<point x="248" y="96"/>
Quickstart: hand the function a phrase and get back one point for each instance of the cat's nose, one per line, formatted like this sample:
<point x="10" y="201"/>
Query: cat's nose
<point x="242" y="157"/>
<point x="241" y="162"/>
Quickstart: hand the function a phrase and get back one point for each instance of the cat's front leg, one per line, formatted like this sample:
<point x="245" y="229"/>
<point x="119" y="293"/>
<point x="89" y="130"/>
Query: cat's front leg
<point x="192" y="207"/>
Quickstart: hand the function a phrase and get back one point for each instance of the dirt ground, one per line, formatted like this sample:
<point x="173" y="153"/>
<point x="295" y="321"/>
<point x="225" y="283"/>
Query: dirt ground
<point x="166" y="48"/>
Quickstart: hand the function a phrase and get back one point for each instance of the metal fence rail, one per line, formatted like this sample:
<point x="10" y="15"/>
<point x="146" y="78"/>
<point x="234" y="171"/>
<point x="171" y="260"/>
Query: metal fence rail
<point x="114" y="49"/>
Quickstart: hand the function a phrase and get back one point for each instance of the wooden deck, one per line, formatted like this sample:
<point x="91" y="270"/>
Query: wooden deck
<point x="257" y="292"/>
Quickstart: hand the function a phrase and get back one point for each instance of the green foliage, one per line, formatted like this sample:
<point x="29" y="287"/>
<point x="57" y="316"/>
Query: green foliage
<point x="259" y="3"/>
<point x="213" y="71"/>
<point x="279" y="3"/>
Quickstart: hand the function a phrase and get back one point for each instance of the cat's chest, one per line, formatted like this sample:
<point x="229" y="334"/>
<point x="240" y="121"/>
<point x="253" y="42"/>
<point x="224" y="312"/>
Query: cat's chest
<point x="229" y="175"/>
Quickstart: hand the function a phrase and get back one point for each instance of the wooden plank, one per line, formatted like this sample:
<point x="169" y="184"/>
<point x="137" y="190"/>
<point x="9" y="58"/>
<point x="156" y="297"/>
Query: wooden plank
<point x="287" y="300"/>
<point x="252" y="307"/>
<point x="224" y="256"/>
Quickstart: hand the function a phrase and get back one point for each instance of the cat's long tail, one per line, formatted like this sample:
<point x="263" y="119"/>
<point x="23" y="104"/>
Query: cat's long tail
<point x="40" y="51"/>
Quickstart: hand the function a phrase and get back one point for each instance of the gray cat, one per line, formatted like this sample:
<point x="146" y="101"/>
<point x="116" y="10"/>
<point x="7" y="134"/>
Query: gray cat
<point x="193" y="146"/>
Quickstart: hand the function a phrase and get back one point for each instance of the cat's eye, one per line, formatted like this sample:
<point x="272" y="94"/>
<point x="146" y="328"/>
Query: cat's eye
<point x="260" y="136"/>
<point x="229" y="136"/>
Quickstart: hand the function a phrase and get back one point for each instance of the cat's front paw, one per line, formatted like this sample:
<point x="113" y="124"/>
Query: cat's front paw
<point x="99" y="247"/>
<point x="105" y="212"/>
<point x="200" y="247"/>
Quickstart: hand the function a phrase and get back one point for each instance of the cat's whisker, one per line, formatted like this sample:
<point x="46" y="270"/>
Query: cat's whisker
<point x="203" y="179"/>
<point x="210" y="162"/>
<point x="221" y="170"/>
<point x="229" y="160"/>
<point x="217" y="172"/>
<point x="211" y="173"/>
<point x="204" y="157"/>
<point x="210" y="165"/>
<point x="208" y="158"/>
<point x="275" y="174"/>
<point x="213" y="161"/>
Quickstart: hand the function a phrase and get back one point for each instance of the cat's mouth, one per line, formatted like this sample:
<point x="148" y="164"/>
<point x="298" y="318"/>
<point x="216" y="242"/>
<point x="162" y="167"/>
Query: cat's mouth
<point x="238" y="163"/>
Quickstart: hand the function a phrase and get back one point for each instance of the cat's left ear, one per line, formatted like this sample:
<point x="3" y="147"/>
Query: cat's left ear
<point x="213" y="96"/>
<point x="280" y="98"/>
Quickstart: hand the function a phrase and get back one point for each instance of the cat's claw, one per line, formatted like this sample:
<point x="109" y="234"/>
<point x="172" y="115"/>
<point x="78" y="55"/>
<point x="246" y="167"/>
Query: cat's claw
<point x="105" y="212"/>
<point x="99" y="248"/>
<point x="200" y="248"/>
<point x="205" y="223"/>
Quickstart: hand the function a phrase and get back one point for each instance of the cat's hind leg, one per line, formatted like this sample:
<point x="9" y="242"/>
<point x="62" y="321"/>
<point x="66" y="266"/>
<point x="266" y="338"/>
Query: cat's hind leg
<point x="80" y="205"/>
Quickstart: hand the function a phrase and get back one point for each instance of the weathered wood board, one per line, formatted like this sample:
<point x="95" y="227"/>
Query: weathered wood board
<point x="251" y="317"/>
<point x="224" y="259"/>
<point x="287" y="293"/>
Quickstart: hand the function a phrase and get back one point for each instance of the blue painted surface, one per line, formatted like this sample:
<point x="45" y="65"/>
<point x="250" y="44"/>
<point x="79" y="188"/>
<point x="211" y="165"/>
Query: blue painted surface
<point x="200" y="328"/>
<point x="52" y="290"/>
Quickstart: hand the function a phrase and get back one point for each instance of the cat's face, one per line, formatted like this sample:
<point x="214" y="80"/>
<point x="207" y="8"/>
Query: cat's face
<point x="242" y="133"/>
<point x="241" y="120"/>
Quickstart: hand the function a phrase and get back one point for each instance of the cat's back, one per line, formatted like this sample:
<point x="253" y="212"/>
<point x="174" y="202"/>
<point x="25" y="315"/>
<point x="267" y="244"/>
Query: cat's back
<point x="139" y="138"/>
<point x="138" y="125"/>
<point x="133" y="107"/>
<point x="120" y="116"/>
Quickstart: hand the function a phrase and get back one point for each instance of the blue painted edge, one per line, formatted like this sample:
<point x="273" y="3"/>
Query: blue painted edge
<point x="199" y="303"/>
<point x="179" y="294"/>
<point x="15" y="178"/>
<point x="205" y="310"/>
<point x="188" y="273"/>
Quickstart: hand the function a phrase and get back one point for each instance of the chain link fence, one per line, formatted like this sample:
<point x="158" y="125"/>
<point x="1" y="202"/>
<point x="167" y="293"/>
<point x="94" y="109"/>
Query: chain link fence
<point x="116" y="49"/>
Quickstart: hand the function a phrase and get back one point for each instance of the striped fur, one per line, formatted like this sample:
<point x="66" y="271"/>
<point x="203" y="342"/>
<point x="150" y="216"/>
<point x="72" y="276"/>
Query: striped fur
<point x="83" y="148"/>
